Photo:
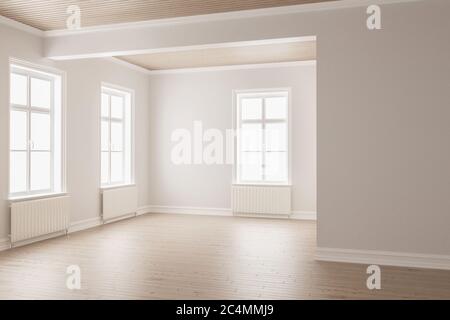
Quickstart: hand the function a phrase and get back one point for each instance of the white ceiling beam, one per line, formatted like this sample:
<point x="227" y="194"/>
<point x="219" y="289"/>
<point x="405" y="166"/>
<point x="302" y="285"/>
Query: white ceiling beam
<point x="198" y="32"/>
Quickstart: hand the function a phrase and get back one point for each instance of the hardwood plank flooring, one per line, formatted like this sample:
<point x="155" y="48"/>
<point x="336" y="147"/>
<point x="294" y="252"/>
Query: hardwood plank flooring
<point x="160" y="256"/>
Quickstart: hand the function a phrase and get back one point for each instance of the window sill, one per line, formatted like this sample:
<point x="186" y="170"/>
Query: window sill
<point x="36" y="197"/>
<point x="262" y="184"/>
<point x="117" y="186"/>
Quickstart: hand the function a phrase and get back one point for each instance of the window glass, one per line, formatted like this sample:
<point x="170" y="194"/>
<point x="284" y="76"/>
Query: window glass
<point x="276" y="166"/>
<point x="40" y="171"/>
<point x="40" y="93"/>
<point x="276" y="108"/>
<point x="276" y="136"/>
<point x="117" y="106"/>
<point x="251" y="109"/>
<point x="40" y="131"/>
<point x="19" y="89"/>
<point x="105" y="135"/>
<point x="105" y="167"/>
<point x="116" y="137"/>
<point x="116" y="166"/>
<point x="105" y="105"/>
<point x="251" y="137"/>
<point x="36" y="132"/>
<point x="18" y="125"/>
<point x="251" y="166"/>
<point x="18" y="172"/>
<point x="263" y="137"/>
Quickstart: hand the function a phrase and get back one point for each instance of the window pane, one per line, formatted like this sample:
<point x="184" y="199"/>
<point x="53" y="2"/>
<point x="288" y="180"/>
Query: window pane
<point x="105" y="167"/>
<point x="276" y="166"/>
<point x="40" y="131"/>
<point x="105" y="105"/>
<point x="251" y="166"/>
<point x="276" y="108"/>
<point x="117" y="107"/>
<point x="40" y="171"/>
<point x="18" y="138"/>
<point x="18" y="172"/>
<point x="251" y="109"/>
<point x="251" y="137"/>
<point x="40" y="93"/>
<point x="276" y="137"/>
<point x="105" y="136"/>
<point x="116" y="167"/>
<point x="116" y="136"/>
<point x="18" y="89"/>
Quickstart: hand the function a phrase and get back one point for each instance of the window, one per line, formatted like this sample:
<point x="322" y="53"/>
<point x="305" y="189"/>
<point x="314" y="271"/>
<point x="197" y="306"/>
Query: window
<point x="116" y="137"/>
<point x="262" y="137"/>
<point x="36" y="133"/>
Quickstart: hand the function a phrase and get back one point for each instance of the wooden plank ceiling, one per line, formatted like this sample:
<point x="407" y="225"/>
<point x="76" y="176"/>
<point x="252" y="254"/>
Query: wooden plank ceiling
<point x="237" y="55"/>
<point x="51" y="14"/>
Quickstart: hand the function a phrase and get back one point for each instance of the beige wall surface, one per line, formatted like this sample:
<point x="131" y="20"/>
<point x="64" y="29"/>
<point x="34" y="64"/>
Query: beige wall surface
<point x="84" y="79"/>
<point x="383" y="130"/>
<point x="177" y="100"/>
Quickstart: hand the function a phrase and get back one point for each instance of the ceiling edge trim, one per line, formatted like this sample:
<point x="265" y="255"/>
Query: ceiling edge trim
<point x="235" y="67"/>
<point x="21" y="26"/>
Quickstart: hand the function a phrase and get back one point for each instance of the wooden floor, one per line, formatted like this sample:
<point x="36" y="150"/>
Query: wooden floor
<point x="197" y="257"/>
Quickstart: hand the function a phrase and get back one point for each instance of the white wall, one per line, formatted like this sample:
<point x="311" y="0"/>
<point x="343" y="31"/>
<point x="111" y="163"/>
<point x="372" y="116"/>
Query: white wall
<point x="84" y="79"/>
<point x="177" y="100"/>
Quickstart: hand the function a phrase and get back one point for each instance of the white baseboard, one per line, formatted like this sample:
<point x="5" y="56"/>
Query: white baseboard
<point x="303" y="215"/>
<point x="143" y="210"/>
<point x="97" y="221"/>
<point x="43" y="237"/>
<point x="296" y="215"/>
<point x="120" y="218"/>
<point x="85" y="224"/>
<point x="191" y="210"/>
<point x="5" y="244"/>
<point x="384" y="258"/>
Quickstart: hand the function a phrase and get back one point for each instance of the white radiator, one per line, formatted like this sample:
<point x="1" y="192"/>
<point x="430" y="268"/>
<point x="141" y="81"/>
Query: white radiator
<point x="119" y="202"/>
<point x="31" y="219"/>
<point x="261" y="200"/>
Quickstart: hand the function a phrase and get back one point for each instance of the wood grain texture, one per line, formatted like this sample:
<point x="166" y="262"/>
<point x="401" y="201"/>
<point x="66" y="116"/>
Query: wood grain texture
<point x="51" y="14"/>
<point x="239" y="55"/>
<point x="161" y="256"/>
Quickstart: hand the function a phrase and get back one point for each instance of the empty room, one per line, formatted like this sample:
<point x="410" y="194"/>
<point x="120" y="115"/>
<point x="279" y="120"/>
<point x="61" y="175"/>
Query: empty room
<point x="224" y="150"/>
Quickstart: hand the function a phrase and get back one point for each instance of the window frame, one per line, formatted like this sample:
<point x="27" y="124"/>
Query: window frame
<point x="237" y="125"/>
<point x="125" y="94"/>
<point x="31" y="70"/>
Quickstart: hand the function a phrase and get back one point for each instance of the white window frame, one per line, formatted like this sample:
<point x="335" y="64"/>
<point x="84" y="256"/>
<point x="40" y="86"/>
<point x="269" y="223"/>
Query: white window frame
<point x="125" y="93"/>
<point x="31" y="70"/>
<point x="237" y="125"/>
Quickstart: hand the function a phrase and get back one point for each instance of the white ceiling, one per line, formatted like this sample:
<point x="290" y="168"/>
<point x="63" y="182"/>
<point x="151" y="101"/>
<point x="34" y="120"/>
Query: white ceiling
<point x="226" y="56"/>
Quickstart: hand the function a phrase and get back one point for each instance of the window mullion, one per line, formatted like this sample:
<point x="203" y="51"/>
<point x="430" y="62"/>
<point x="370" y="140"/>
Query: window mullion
<point x="123" y="139"/>
<point x="52" y="135"/>
<point x="28" y="156"/>
<point x="263" y="139"/>
<point x="109" y="142"/>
